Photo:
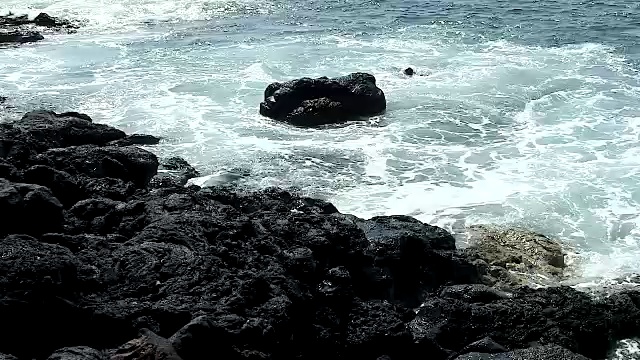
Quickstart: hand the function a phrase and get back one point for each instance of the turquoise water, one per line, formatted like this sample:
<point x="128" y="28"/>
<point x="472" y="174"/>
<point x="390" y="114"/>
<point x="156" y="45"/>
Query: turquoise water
<point x="530" y="114"/>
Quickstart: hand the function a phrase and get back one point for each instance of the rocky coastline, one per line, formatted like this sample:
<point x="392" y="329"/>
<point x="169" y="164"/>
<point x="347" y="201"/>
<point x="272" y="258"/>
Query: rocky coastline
<point x="104" y="257"/>
<point x="106" y="253"/>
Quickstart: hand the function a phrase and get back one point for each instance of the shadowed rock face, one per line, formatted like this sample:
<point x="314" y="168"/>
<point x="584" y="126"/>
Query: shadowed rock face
<point x="313" y="102"/>
<point x="100" y="259"/>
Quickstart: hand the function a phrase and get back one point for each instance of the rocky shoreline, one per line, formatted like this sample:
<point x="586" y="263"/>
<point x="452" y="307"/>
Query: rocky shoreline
<point x="102" y="257"/>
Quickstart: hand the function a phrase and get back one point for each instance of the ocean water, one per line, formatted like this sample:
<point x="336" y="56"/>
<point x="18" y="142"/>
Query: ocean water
<point x="529" y="115"/>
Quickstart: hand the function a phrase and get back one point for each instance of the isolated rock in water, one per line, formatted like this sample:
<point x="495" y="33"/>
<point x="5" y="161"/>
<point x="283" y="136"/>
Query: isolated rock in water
<point x="19" y="36"/>
<point x="409" y="71"/>
<point x="78" y="353"/>
<point x="551" y="352"/>
<point x="46" y="20"/>
<point x="312" y="102"/>
<point x="515" y="250"/>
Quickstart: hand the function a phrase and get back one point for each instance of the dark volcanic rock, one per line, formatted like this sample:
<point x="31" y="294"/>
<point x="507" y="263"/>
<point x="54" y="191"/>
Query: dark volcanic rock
<point x="19" y="36"/>
<point x="44" y="19"/>
<point x="19" y="202"/>
<point x="485" y="346"/>
<point x="125" y="163"/>
<point x="550" y="352"/>
<point x="20" y="29"/>
<point x="136" y="139"/>
<point x="66" y="129"/>
<point x="191" y="273"/>
<point x="312" y="102"/>
<point x="173" y="171"/>
<point x="562" y="316"/>
<point x="63" y="186"/>
<point x="78" y="353"/>
<point x="149" y="347"/>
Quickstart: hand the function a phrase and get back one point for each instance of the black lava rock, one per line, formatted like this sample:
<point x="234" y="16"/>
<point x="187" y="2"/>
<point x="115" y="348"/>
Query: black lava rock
<point x="97" y="262"/>
<point x="312" y="102"/>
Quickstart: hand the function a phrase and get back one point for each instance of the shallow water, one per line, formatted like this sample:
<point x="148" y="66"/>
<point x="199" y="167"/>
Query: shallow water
<point x="529" y="115"/>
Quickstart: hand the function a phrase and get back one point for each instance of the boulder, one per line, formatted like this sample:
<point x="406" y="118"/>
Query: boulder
<point x="46" y="20"/>
<point x="173" y="171"/>
<point x="28" y="209"/>
<point x="516" y="256"/>
<point x="66" y="129"/>
<point x="126" y="163"/>
<point x="63" y="186"/>
<point x="415" y="256"/>
<point x="312" y="102"/>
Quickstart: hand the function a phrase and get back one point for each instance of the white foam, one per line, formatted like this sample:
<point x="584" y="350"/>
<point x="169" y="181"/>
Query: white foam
<point x="130" y="15"/>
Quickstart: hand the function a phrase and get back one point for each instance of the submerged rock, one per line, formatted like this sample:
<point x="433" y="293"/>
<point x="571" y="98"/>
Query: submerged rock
<point x="313" y="102"/>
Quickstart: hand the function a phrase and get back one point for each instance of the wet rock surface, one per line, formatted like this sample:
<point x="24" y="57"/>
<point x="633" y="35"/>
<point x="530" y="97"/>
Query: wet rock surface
<point x="99" y="259"/>
<point x="20" y="29"/>
<point x="321" y="101"/>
